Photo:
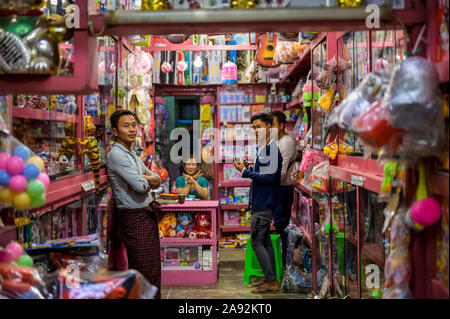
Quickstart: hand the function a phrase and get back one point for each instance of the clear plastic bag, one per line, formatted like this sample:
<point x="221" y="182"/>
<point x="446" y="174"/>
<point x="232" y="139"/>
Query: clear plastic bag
<point x="319" y="177"/>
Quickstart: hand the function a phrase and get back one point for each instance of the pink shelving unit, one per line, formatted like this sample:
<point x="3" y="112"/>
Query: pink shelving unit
<point x="193" y="277"/>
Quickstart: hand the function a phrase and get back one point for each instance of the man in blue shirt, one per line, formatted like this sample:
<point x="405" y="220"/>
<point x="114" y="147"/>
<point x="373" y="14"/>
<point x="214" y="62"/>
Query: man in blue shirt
<point x="265" y="185"/>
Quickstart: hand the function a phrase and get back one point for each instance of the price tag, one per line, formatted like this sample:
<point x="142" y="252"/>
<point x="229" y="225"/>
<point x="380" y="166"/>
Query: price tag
<point x="87" y="186"/>
<point x="357" y="180"/>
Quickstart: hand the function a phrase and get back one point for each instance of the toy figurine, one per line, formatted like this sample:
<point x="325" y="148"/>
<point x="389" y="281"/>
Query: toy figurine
<point x="184" y="225"/>
<point x="91" y="149"/>
<point x="202" y="227"/>
<point x="68" y="144"/>
<point x="167" y="225"/>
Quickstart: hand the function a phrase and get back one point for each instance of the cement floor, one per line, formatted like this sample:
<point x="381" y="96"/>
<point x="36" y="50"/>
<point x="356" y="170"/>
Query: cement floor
<point x="230" y="283"/>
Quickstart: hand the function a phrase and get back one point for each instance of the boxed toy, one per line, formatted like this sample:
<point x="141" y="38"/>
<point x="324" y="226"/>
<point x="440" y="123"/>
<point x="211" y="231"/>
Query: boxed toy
<point x="231" y="218"/>
<point x="241" y="195"/>
<point x="230" y="173"/>
<point x="181" y="257"/>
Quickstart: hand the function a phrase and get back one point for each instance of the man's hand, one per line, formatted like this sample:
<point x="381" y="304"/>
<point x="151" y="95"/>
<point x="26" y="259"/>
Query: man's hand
<point x="246" y="163"/>
<point x="153" y="181"/>
<point x="239" y="166"/>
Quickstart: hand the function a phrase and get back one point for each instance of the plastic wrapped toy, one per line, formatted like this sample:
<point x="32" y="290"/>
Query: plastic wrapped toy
<point x="20" y="282"/>
<point x="326" y="100"/>
<point x="167" y="225"/>
<point x="184" y="225"/>
<point x="306" y="159"/>
<point x="326" y="76"/>
<point x="319" y="177"/>
<point x="371" y="89"/>
<point x="202" y="227"/>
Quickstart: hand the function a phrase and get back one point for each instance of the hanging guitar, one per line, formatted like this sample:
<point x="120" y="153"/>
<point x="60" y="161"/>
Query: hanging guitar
<point x="266" y="51"/>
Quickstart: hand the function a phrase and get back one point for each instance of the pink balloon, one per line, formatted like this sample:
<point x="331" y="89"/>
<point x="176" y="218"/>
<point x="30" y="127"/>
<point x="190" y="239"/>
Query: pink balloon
<point x="15" y="249"/>
<point x="6" y="256"/>
<point x="18" y="183"/>
<point x="14" y="165"/>
<point x="44" y="179"/>
<point x="4" y="157"/>
<point x="426" y="211"/>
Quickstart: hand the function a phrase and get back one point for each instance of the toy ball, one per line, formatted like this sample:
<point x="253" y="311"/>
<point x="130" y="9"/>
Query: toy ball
<point x="6" y="194"/>
<point x="166" y="67"/>
<point x="163" y="174"/>
<point x="31" y="171"/>
<point x="4" y="177"/>
<point x="44" y="179"/>
<point x="21" y="201"/>
<point x="25" y="260"/>
<point x="38" y="201"/>
<point x="23" y="152"/>
<point x="6" y="256"/>
<point x="14" y="165"/>
<point x="4" y="157"/>
<point x="15" y="249"/>
<point x="35" y="188"/>
<point x="36" y="160"/>
<point x="18" y="183"/>
<point x="426" y="211"/>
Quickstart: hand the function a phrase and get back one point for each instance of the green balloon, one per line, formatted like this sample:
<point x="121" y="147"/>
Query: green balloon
<point x="38" y="201"/>
<point x="35" y="188"/>
<point x="15" y="263"/>
<point x="25" y="260"/>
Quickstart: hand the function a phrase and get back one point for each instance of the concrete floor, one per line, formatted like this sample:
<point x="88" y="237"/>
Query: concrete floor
<point x="230" y="283"/>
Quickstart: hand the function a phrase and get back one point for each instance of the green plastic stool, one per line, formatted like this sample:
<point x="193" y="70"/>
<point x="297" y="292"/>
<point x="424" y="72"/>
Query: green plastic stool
<point x="252" y="266"/>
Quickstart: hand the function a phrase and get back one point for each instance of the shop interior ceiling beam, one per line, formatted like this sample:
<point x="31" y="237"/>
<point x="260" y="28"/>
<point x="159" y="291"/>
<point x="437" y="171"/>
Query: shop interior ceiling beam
<point x="318" y="19"/>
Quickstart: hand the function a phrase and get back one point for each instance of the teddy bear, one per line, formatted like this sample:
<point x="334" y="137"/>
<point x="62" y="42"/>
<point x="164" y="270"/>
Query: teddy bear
<point x="202" y="226"/>
<point x="167" y="225"/>
<point x="184" y="225"/>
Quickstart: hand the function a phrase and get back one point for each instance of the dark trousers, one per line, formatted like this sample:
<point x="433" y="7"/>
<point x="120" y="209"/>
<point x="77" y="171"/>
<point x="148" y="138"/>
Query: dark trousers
<point x="282" y="215"/>
<point x="261" y="242"/>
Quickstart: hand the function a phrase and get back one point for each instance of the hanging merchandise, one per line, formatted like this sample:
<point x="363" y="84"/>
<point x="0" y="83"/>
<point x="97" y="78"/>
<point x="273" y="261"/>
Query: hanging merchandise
<point x="242" y="4"/>
<point x="29" y="44"/>
<point x="308" y="94"/>
<point x="22" y="177"/>
<point x="166" y="67"/>
<point x="154" y="5"/>
<point x="91" y="149"/>
<point x="326" y="100"/>
<point x="68" y="145"/>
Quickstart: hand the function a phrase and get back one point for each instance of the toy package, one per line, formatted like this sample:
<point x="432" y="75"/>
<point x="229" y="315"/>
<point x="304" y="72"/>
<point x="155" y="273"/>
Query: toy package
<point x="184" y="224"/>
<point x="241" y="195"/>
<point x="202" y="226"/>
<point x="231" y="218"/>
<point x="230" y="173"/>
<point x="181" y="257"/>
<point x="167" y="225"/>
<point x="319" y="177"/>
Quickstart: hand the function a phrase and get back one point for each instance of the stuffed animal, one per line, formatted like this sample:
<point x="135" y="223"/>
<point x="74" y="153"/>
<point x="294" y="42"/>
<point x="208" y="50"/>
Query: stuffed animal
<point x="167" y="225"/>
<point x="202" y="227"/>
<point x="184" y="225"/>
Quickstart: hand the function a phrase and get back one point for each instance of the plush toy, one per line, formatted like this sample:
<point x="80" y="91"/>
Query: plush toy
<point x="91" y="149"/>
<point x="68" y="145"/>
<point x="167" y="225"/>
<point x="70" y="106"/>
<point x="184" y="225"/>
<point x="202" y="227"/>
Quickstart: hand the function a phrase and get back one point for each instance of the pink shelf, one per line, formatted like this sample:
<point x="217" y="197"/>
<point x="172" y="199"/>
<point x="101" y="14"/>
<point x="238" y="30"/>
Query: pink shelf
<point x="37" y="114"/>
<point x="235" y="183"/>
<point x="294" y="103"/>
<point x="181" y="47"/>
<point x="244" y="103"/>
<point x="192" y="204"/>
<point x="304" y="189"/>
<point x="186" y="241"/>
<point x="240" y="140"/>
<point x="233" y="207"/>
<point x="238" y="229"/>
<point x="370" y="181"/>
<point x="374" y="252"/>
<point x="188" y="277"/>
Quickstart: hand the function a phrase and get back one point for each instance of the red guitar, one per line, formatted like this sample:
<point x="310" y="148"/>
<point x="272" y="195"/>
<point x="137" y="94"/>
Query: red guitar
<point x="266" y="51"/>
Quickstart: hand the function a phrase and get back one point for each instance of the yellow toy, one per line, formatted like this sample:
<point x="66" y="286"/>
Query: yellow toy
<point x="91" y="150"/>
<point x="326" y="99"/>
<point x="331" y="151"/>
<point x="68" y="144"/>
<point x="167" y="226"/>
<point x="345" y="149"/>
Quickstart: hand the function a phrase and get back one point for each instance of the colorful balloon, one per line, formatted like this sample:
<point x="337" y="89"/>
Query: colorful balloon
<point x="5" y="177"/>
<point x="35" y="188"/>
<point x="15" y="249"/>
<point x="4" y="157"/>
<point x="18" y="183"/>
<point x="14" y="165"/>
<point x="6" y="194"/>
<point x="31" y="171"/>
<point x="21" y="201"/>
<point x="36" y="160"/>
<point x="38" y="201"/>
<point x="25" y="260"/>
<point x="23" y="152"/>
<point x="44" y="179"/>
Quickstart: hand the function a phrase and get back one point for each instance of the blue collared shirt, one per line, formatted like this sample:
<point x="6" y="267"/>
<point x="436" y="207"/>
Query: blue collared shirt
<point x="125" y="169"/>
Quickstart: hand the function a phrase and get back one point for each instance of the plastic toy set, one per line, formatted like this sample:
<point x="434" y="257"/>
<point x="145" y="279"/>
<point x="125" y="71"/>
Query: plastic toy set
<point x="184" y="225"/>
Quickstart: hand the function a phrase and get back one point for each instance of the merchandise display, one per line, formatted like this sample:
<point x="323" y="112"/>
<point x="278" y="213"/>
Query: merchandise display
<point x="367" y="109"/>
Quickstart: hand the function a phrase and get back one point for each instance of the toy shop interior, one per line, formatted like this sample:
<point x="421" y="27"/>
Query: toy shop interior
<point x="360" y="89"/>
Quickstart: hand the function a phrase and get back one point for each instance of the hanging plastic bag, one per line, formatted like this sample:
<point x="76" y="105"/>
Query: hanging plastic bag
<point x="319" y="177"/>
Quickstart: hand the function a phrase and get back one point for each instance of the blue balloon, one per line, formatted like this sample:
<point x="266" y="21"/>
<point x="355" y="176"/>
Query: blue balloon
<point x="4" y="177"/>
<point x="31" y="171"/>
<point x="23" y="152"/>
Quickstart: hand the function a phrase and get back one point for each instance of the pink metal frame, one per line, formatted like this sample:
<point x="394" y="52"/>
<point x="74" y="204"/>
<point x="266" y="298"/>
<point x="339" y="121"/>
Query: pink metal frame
<point x="193" y="277"/>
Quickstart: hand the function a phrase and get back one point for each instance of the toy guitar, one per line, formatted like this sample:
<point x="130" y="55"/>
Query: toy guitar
<point x="266" y="52"/>
<point x="91" y="150"/>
